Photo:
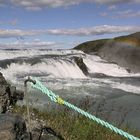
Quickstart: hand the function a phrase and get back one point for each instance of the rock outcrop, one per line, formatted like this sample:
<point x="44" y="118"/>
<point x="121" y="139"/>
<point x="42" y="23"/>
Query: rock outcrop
<point x="12" y="127"/>
<point x="81" y="65"/>
<point x="8" y="95"/>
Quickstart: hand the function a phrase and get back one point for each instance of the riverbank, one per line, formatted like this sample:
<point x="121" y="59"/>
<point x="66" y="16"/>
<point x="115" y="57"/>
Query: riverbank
<point x="74" y="126"/>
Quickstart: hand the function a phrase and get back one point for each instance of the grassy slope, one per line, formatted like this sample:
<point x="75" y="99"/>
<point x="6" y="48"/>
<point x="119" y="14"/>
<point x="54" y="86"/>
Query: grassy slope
<point x="91" y="46"/>
<point x="132" y="39"/>
<point x="94" y="46"/>
<point x="74" y="127"/>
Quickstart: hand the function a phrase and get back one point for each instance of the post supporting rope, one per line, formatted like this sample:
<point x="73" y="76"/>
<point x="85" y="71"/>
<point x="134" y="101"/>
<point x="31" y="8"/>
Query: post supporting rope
<point x="27" y="104"/>
<point x="38" y="85"/>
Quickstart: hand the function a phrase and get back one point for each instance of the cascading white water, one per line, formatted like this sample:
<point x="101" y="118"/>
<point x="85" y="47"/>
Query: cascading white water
<point x="97" y="65"/>
<point x="60" y="68"/>
<point x="60" y="65"/>
<point x="51" y="69"/>
<point x="60" y="73"/>
<point x="9" y="54"/>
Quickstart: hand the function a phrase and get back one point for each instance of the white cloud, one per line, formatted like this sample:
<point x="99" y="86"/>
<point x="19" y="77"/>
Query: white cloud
<point x="10" y="33"/>
<point x="127" y="14"/>
<point x="33" y="44"/>
<point x="39" y="4"/>
<point x="121" y="14"/>
<point x="112" y="2"/>
<point x="96" y="30"/>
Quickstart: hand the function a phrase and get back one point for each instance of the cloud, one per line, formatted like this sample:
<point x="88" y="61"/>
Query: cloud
<point x="127" y="14"/>
<point x="113" y="2"/>
<point x="33" y="44"/>
<point x="12" y="33"/>
<point x="96" y="30"/>
<point x="39" y="4"/>
<point x="121" y="14"/>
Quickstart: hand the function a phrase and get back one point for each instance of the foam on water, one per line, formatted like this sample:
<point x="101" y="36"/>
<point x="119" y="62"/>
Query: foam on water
<point x="127" y="87"/>
<point x="9" y="54"/>
<point x="53" y="69"/>
<point x="64" y="71"/>
<point x="120" y="85"/>
<point x="97" y="65"/>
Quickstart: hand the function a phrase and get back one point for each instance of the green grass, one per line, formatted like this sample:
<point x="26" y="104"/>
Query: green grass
<point x="92" y="46"/>
<point x="74" y="127"/>
<point x="96" y="45"/>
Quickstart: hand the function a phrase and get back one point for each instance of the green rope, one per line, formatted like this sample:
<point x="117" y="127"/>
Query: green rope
<point x="59" y="100"/>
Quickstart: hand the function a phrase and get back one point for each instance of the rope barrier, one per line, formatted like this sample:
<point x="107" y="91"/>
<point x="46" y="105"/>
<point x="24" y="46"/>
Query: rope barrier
<point x="38" y="85"/>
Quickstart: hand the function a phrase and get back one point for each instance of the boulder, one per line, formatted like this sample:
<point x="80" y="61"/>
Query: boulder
<point x="81" y="65"/>
<point x="12" y="127"/>
<point x="45" y="133"/>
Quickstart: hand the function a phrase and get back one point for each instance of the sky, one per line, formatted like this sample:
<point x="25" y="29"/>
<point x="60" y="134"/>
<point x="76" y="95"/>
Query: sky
<point x="63" y="24"/>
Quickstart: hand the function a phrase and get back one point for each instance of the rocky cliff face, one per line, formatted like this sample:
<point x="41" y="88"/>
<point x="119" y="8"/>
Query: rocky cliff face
<point x="8" y="95"/>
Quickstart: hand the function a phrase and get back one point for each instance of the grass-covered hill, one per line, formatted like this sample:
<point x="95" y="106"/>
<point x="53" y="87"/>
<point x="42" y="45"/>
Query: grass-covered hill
<point x="123" y="50"/>
<point x="133" y="39"/>
<point x="94" y="46"/>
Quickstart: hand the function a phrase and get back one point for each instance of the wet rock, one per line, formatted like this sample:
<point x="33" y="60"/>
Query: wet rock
<point x="40" y="131"/>
<point x="8" y="95"/>
<point x="2" y="80"/>
<point x="81" y="65"/>
<point x="45" y="133"/>
<point x="98" y="75"/>
<point x="12" y="127"/>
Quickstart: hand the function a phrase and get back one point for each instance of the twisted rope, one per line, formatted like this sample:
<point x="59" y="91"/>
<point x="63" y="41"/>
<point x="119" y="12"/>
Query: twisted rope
<point x="59" y="100"/>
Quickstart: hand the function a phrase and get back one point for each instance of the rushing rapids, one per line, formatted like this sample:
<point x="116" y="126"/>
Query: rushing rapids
<point x="108" y="86"/>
